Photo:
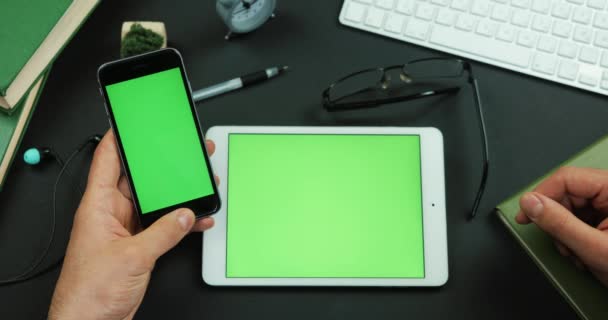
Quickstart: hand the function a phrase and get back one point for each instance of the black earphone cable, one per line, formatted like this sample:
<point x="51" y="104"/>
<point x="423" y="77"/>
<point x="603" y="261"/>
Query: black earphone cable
<point x="57" y="158"/>
<point x="29" y="272"/>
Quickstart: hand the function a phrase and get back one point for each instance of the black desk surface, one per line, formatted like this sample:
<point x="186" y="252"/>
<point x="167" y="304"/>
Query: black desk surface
<point x="533" y="125"/>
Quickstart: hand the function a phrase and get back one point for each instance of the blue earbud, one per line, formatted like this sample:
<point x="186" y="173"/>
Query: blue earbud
<point x="32" y="156"/>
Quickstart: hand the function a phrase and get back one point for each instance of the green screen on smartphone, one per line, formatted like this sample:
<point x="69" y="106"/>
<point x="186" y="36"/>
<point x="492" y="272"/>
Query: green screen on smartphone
<point x="324" y="206"/>
<point x="160" y="140"/>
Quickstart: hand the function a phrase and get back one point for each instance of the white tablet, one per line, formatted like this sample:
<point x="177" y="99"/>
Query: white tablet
<point x="328" y="206"/>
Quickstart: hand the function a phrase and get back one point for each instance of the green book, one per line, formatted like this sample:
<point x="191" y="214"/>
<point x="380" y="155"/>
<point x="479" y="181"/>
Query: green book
<point x="584" y="293"/>
<point x="12" y="127"/>
<point x="32" y="33"/>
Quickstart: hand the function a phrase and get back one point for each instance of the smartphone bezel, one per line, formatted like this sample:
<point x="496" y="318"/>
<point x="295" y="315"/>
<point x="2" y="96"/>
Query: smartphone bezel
<point x="135" y="67"/>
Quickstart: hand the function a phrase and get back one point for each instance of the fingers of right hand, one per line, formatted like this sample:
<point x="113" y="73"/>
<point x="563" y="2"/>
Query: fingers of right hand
<point x="203" y="224"/>
<point x="563" y="250"/>
<point x="210" y="147"/>
<point x="522" y="218"/>
<point x="123" y="186"/>
<point x="576" y="185"/>
<point x="564" y="226"/>
<point x="105" y="167"/>
<point x="165" y="233"/>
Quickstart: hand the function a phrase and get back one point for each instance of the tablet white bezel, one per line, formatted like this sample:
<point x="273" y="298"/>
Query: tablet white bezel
<point x="433" y="198"/>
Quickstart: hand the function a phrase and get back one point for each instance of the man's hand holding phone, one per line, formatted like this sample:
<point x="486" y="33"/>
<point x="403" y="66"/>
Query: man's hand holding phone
<point x="158" y="134"/>
<point x="109" y="259"/>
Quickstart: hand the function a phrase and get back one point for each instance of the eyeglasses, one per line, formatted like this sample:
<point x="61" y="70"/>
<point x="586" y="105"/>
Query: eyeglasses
<point x="376" y="87"/>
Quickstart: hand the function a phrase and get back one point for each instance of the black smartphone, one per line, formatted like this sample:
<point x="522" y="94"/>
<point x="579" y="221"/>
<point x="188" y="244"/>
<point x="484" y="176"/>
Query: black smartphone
<point x="149" y="104"/>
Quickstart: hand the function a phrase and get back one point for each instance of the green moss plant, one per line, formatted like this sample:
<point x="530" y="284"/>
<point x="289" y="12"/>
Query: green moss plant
<point x="140" y="40"/>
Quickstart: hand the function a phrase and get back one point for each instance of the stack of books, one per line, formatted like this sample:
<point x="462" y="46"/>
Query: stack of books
<point x="32" y="34"/>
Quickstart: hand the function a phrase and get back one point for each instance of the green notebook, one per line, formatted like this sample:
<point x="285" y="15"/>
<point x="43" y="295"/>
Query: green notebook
<point x="20" y="37"/>
<point x="584" y="293"/>
<point x="32" y="33"/>
<point x="12" y="127"/>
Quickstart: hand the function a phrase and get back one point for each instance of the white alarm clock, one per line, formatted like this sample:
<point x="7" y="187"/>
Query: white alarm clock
<point x="242" y="16"/>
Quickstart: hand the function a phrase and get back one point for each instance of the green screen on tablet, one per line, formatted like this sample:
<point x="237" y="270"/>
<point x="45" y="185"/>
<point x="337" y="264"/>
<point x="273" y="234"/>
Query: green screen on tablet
<point x="324" y="206"/>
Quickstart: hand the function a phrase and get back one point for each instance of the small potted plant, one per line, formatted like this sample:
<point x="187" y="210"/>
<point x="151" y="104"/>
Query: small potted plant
<point x="140" y="37"/>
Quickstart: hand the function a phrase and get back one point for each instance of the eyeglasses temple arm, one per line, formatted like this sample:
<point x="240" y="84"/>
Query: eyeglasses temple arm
<point x="484" y="141"/>
<point x="332" y="106"/>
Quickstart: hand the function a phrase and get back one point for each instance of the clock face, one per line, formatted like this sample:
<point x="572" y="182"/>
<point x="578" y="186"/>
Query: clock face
<point x="242" y="16"/>
<point x="246" y="11"/>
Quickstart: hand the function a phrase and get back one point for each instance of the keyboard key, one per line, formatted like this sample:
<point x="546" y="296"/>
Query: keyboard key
<point x="568" y="70"/>
<point x="605" y="75"/>
<point x="562" y="29"/>
<point x="604" y="61"/>
<point x="577" y="1"/>
<point x="604" y="84"/>
<point x="375" y="17"/>
<point x="561" y="10"/>
<point x="465" y="22"/>
<point x="386" y="4"/>
<point x="442" y="3"/>
<point x="601" y="39"/>
<point x="425" y="11"/>
<point x="355" y="12"/>
<point x="394" y="23"/>
<point x="526" y="39"/>
<point x="541" y="6"/>
<point x="541" y="23"/>
<point x="480" y="8"/>
<point x="366" y="1"/>
<point x="502" y="1"/>
<point x="486" y="28"/>
<point x="583" y="34"/>
<point x="418" y="29"/>
<point x="589" y="55"/>
<point x="446" y="17"/>
<point x="484" y="47"/>
<point x="525" y="4"/>
<point x="547" y="44"/>
<point x="544" y="63"/>
<point x="500" y="13"/>
<point x="582" y="15"/>
<point x="462" y="5"/>
<point x="505" y="33"/>
<point x="567" y="49"/>
<point x="596" y="4"/>
<point x="520" y="18"/>
<point x="601" y="20"/>
<point x="587" y="79"/>
<point x="406" y="6"/>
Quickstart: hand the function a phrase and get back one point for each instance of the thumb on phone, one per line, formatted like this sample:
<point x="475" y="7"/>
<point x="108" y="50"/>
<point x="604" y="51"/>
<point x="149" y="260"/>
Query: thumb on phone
<point x="165" y="233"/>
<point x="562" y="225"/>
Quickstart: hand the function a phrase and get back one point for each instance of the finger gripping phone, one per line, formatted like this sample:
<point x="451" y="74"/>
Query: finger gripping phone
<point x="149" y="104"/>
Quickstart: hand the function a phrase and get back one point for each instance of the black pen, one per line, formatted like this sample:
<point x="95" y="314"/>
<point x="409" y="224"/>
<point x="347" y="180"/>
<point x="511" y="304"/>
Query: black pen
<point x="235" y="84"/>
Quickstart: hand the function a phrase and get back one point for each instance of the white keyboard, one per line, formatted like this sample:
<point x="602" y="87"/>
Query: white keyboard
<point x="558" y="40"/>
